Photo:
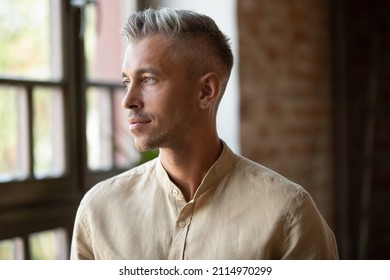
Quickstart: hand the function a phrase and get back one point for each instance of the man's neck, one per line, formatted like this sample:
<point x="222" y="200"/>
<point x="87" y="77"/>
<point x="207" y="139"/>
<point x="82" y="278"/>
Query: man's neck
<point x="187" y="167"/>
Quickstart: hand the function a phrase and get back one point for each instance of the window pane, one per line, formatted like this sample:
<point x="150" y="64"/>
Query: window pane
<point x="11" y="249"/>
<point x="48" y="133"/>
<point x="99" y="129"/>
<point x="13" y="124"/>
<point x="48" y="245"/>
<point x="104" y="44"/>
<point x="126" y="154"/>
<point x="30" y="41"/>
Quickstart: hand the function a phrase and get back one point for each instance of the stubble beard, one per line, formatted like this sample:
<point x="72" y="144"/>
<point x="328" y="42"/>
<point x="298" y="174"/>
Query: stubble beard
<point x="173" y="139"/>
<point x="144" y="145"/>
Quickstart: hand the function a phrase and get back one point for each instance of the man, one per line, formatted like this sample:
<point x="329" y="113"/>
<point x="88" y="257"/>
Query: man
<point x="197" y="200"/>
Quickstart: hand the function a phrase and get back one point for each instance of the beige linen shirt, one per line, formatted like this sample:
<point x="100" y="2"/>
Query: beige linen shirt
<point x="241" y="210"/>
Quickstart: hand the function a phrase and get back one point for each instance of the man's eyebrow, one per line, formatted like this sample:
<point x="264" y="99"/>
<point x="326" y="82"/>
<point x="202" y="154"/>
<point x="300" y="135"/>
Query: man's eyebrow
<point x="151" y="70"/>
<point x="144" y="70"/>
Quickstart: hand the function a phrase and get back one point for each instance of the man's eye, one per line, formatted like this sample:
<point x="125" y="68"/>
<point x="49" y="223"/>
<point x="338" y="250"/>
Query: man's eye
<point x="125" y="83"/>
<point x="149" y="80"/>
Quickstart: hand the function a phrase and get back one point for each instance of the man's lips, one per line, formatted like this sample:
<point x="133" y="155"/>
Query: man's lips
<point x="136" y="123"/>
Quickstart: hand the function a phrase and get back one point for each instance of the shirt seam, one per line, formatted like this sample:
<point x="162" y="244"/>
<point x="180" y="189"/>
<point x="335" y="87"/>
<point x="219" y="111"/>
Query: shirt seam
<point x="86" y="228"/>
<point x="290" y="214"/>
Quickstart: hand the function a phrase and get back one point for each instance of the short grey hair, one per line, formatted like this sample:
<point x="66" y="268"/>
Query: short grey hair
<point x="182" y="25"/>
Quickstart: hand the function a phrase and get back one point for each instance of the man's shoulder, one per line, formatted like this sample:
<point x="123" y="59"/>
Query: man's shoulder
<point x="122" y="182"/>
<point x="264" y="177"/>
<point x="144" y="169"/>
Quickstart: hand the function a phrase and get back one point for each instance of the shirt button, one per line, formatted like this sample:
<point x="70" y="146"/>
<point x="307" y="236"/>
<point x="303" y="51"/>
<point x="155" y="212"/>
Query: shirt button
<point x="182" y="224"/>
<point x="174" y="192"/>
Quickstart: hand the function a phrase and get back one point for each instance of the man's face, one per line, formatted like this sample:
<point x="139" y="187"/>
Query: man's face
<point x="161" y="98"/>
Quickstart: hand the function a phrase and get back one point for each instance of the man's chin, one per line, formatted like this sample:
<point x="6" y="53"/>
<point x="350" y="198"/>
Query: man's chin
<point x="143" y="146"/>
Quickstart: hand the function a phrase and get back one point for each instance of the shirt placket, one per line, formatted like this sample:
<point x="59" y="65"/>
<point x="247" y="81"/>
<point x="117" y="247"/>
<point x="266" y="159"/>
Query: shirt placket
<point x="183" y="221"/>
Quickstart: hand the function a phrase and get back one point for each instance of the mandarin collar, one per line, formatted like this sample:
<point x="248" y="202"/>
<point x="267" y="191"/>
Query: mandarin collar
<point x="216" y="172"/>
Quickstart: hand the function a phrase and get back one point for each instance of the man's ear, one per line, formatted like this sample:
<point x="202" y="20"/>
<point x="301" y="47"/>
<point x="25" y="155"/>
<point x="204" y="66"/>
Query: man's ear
<point x="210" y="86"/>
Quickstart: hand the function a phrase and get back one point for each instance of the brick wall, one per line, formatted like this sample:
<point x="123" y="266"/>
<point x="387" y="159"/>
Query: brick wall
<point x="285" y="87"/>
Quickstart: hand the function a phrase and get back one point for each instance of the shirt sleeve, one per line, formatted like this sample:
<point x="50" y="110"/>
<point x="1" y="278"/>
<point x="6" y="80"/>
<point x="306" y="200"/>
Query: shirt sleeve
<point x="81" y="247"/>
<point x="306" y="234"/>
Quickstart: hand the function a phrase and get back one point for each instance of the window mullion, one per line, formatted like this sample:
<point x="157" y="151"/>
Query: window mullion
<point x="26" y="248"/>
<point x="30" y="132"/>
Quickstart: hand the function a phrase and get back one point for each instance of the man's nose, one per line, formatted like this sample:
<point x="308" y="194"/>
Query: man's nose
<point x="132" y="99"/>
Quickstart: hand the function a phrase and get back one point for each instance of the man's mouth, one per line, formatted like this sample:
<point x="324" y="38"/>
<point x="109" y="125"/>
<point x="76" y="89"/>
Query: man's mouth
<point x="137" y="123"/>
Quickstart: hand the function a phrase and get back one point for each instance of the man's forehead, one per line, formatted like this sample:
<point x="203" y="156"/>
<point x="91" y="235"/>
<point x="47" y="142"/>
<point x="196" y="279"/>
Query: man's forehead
<point x="150" y="53"/>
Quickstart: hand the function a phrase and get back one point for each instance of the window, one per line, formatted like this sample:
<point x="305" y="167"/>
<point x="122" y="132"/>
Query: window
<point x="63" y="128"/>
<point x="13" y="146"/>
<point x="30" y="50"/>
<point x="109" y="146"/>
